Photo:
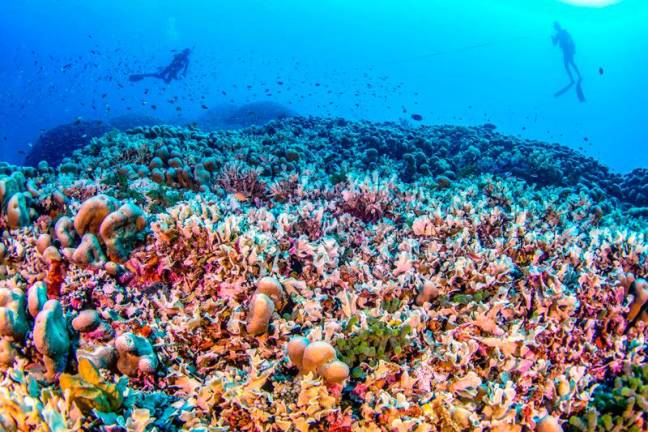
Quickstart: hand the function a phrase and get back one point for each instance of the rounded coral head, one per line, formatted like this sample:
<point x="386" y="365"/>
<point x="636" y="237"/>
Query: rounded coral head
<point x="334" y="372"/>
<point x="147" y="364"/>
<point x="271" y="287"/>
<point x="549" y="424"/>
<point x="125" y="343"/>
<point x="317" y="354"/>
<point x="295" y="348"/>
<point x="261" y="310"/>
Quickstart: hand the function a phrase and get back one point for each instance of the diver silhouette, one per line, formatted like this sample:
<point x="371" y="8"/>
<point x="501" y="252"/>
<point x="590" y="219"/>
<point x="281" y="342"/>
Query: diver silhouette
<point x="173" y="71"/>
<point x="563" y="39"/>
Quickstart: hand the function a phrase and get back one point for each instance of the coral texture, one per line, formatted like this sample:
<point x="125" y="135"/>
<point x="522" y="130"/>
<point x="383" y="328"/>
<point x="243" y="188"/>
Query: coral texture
<point x="323" y="275"/>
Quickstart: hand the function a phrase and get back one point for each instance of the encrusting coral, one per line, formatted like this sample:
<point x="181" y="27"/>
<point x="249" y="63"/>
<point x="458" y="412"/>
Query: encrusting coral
<point x="323" y="275"/>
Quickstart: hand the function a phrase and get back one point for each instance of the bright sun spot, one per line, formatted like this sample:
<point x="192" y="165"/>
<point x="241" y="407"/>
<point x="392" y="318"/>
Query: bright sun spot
<point x="591" y="3"/>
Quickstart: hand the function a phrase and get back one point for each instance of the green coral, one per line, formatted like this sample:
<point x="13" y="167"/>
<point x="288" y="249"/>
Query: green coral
<point x="621" y="407"/>
<point x="379" y="341"/>
<point x="88" y="391"/>
<point x="465" y="299"/>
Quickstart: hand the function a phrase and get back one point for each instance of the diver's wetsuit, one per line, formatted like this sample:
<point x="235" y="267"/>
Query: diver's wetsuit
<point x="177" y="68"/>
<point x="563" y="39"/>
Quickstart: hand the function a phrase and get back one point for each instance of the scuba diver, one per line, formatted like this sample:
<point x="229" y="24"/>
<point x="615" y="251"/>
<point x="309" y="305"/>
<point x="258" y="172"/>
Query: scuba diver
<point x="563" y="39"/>
<point x="174" y="70"/>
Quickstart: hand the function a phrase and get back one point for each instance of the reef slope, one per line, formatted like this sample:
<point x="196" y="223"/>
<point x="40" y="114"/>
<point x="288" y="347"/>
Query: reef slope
<point x="321" y="274"/>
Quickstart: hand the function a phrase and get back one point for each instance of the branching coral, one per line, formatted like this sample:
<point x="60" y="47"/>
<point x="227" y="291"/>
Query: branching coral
<point x="369" y="201"/>
<point x="235" y="178"/>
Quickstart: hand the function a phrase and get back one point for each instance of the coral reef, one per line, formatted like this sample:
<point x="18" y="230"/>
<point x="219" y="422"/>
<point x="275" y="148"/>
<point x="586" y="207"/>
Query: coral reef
<point x="322" y="275"/>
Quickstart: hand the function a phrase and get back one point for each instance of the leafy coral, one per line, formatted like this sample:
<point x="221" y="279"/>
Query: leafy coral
<point x="90" y="392"/>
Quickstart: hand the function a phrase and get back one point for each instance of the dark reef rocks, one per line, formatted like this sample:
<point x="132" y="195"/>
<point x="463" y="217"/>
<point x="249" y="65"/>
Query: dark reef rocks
<point x="57" y="143"/>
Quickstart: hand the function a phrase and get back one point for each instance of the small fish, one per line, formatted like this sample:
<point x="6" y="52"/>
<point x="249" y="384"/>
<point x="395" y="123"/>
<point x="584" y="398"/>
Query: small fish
<point x="241" y="197"/>
<point x="203" y="106"/>
<point x="601" y="71"/>
<point x="417" y="117"/>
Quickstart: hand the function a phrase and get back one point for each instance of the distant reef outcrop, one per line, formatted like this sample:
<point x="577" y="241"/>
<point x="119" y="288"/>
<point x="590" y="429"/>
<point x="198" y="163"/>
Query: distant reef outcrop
<point x="238" y="117"/>
<point x="445" y="153"/>
<point x="59" y="142"/>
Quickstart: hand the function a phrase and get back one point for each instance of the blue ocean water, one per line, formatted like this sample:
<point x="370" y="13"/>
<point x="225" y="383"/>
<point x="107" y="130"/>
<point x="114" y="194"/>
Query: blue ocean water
<point x="450" y="61"/>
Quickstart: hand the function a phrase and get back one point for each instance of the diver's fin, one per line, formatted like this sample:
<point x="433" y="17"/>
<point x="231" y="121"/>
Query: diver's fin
<point x="563" y="90"/>
<point x="579" y="91"/>
<point x="140" y="77"/>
